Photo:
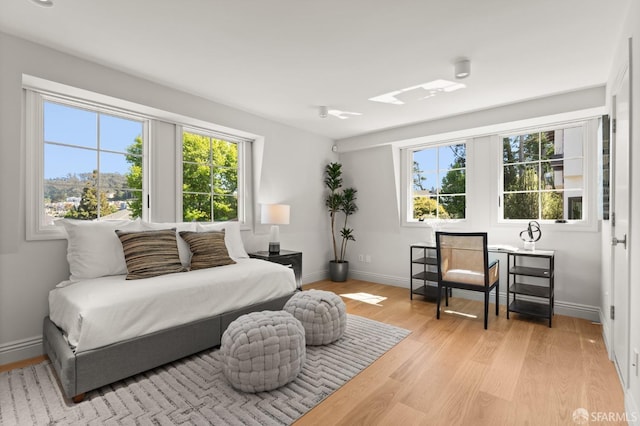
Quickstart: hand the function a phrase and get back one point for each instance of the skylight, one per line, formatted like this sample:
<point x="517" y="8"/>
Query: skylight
<point x="418" y="93"/>
<point x="343" y="115"/>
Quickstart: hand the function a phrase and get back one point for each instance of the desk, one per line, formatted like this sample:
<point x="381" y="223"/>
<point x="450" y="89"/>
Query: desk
<point x="535" y="280"/>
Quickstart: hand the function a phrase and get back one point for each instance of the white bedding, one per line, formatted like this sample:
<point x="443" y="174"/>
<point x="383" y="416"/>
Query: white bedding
<point x="100" y="311"/>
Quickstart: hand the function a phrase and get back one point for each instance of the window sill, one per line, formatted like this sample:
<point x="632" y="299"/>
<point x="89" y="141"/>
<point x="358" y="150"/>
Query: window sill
<point x="570" y="226"/>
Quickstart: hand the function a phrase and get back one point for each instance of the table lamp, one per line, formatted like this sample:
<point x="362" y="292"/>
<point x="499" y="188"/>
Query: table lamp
<point x="274" y="215"/>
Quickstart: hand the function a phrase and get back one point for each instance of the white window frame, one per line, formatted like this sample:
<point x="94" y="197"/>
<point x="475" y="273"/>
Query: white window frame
<point x="34" y="167"/>
<point x="589" y="145"/>
<point x="35" y="97"/>
<point x="406" y="159"/>
<point x="244" y="167"/>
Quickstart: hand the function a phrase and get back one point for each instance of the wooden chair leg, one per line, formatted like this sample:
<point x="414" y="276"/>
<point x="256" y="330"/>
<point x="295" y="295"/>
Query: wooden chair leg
<point x="497" y="298"/>
<point x="438" y="297"/>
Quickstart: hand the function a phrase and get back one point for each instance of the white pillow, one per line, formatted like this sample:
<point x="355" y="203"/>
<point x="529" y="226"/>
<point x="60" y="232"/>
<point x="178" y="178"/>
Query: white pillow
<point x="93" y="248"/>
<point x="183" y="247"/>
<point x="232" y="238"/>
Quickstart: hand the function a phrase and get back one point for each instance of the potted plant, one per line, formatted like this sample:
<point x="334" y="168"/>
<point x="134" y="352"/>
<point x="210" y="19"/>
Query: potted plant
<point x="339" y="201"/>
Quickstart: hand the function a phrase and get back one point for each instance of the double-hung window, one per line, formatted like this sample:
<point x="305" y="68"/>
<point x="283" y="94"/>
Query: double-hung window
<point x="87" y="162"/>
<point x="213" y="176"/>
<point x="543" y="174"/>
<point x="438" y="182"/>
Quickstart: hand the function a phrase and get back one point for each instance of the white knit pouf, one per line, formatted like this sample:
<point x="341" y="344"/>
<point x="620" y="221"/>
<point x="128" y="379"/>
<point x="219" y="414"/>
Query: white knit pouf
<point x="262" y="351"/>
<point x="322" y="314"/>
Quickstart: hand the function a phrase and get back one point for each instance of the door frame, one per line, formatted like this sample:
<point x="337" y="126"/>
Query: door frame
<point x="625" y="70"/>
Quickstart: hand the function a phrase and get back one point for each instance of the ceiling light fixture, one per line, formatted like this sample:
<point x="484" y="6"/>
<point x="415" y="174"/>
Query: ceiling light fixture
<point x="462" y="68"/>
<point x="323" y="111"/>
<point x="43" y="3"/>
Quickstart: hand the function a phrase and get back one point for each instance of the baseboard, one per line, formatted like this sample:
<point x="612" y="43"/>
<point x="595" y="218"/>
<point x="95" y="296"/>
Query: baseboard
<point x="20" y="350"/>
<point x="631" y="409"/>
<point x="315" y="276"/>
<point x="606" y="333"/>
<point x="576" y="310"/>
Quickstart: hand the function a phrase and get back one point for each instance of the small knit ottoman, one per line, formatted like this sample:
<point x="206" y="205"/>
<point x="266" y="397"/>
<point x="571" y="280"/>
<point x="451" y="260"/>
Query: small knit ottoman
<point x="322" y="313"/>
<point x="262" y="351"/>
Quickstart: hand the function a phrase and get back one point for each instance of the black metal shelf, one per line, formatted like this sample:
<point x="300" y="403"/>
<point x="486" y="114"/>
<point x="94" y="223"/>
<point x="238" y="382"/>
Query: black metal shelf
<point x="530" y="290"/>
<point x="539" y="284"/>
<point x="426" y="276"/>
<point x="525" y="307"/>
<point x="423" y="264"/>
<point x="427" y="291"/>
<point x="425" y="261"/>
<point x="531" y="272"/>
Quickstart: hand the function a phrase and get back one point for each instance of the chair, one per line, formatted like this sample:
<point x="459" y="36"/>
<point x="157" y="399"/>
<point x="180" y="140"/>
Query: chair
<point x="463" y="262"/>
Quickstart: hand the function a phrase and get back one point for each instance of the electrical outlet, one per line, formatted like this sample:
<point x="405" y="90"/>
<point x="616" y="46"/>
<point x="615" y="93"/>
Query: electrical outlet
<point x="361" y="257"/>
<point x="367" y="258"/>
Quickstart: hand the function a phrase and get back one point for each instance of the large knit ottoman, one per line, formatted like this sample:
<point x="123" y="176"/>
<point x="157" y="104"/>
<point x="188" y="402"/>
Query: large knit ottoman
<point x="262" y="351"/>
<point x="322" y="314"/>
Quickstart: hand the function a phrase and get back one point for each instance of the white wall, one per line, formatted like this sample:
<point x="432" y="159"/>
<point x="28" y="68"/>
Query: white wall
<point x="289" y="167"/>
<point x="631" y="30"/>
<point x="374" y="171"/>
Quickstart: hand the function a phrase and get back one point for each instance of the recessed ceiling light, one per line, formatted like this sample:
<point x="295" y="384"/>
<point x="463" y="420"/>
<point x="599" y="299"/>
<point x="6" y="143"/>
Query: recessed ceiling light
<point x="43" y="3"/>
<point x="418" y="92"/>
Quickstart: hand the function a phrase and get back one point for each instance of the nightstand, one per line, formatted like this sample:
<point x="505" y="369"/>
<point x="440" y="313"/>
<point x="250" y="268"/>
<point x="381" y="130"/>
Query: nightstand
<point x="291" y="259"/>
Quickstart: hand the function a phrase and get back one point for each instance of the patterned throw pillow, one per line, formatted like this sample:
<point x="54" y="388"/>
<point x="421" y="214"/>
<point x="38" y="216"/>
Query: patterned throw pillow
<point x="208" y="248"/>
<point x="150" y="253"/>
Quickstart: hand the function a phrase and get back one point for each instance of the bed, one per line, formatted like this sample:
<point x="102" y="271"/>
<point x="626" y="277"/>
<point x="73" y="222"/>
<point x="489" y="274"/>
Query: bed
<point x="104" y="328"/>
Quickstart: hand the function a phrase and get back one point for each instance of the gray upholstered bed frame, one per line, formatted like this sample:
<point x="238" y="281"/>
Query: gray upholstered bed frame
<point x="79" y="373"/>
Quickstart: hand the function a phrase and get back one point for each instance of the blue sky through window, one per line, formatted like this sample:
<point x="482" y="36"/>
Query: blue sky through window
<point x="79" y="128"/>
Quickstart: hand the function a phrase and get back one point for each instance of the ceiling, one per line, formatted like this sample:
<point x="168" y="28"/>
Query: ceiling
<point x="282" y="59"/>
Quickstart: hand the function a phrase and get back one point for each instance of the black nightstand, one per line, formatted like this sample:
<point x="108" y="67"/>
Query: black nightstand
<point x="292" y="259"/>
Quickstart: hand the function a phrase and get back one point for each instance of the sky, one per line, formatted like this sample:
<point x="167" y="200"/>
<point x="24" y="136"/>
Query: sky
<point x="433" y="169"/>
<point x="79" y="128"/>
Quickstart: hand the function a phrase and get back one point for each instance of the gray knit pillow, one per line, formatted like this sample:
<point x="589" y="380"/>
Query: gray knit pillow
<point x="262" y="351"/>
<point x="208" y="248"/>
<point x="323" y="315"/>
<point x="150" y="253"/>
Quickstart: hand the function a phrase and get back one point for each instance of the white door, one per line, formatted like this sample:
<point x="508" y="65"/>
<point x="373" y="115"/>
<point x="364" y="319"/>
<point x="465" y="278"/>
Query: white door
<point x="620" y="228"/>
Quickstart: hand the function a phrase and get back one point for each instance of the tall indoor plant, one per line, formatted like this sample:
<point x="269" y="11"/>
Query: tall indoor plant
<point x="341" y="201"/>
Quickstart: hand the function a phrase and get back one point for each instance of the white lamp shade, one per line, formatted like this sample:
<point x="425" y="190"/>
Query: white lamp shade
<point x="274" y="214"/>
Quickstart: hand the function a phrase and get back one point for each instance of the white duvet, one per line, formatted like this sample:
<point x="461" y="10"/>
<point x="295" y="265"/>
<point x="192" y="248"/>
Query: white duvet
<point x="100" y="311"/>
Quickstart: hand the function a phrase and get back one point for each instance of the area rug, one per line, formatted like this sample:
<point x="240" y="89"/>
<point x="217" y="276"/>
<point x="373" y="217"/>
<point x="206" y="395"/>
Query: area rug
<point x="193" y="391"/>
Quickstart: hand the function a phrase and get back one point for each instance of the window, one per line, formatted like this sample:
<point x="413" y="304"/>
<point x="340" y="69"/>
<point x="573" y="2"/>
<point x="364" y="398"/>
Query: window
<point x="542" y="174"/>
<point x="438" y="182"/>
<point x="211" y="176"/>
<point x="89" y="161"/>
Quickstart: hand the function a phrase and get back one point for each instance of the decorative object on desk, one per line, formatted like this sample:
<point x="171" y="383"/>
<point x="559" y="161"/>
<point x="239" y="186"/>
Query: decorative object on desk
<point x="274" y="215"/>
<point x="343" y="201"/>
<point x="530" y="235"/>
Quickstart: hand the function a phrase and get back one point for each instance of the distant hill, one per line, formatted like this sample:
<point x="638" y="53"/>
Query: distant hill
<point x="59" y="189"/>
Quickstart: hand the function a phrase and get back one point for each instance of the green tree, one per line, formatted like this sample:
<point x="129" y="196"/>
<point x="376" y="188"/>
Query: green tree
<point x="87" y="209"/>
<point x="454" y="182"/>
<point x="134" y="177"/>
<point x="418" y="178"/>
<point x="425" y="208"/>
<point x="521" y="173"/>
<point x="209" y="178"/>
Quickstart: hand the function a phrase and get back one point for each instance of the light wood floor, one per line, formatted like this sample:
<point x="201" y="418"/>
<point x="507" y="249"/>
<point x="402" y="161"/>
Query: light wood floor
<point x="453" y="372"/>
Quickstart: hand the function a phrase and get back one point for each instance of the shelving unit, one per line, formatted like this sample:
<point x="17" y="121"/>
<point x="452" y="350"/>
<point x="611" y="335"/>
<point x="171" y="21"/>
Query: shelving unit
<point x="535" y="297"/>
<point x="423" y="270"/>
